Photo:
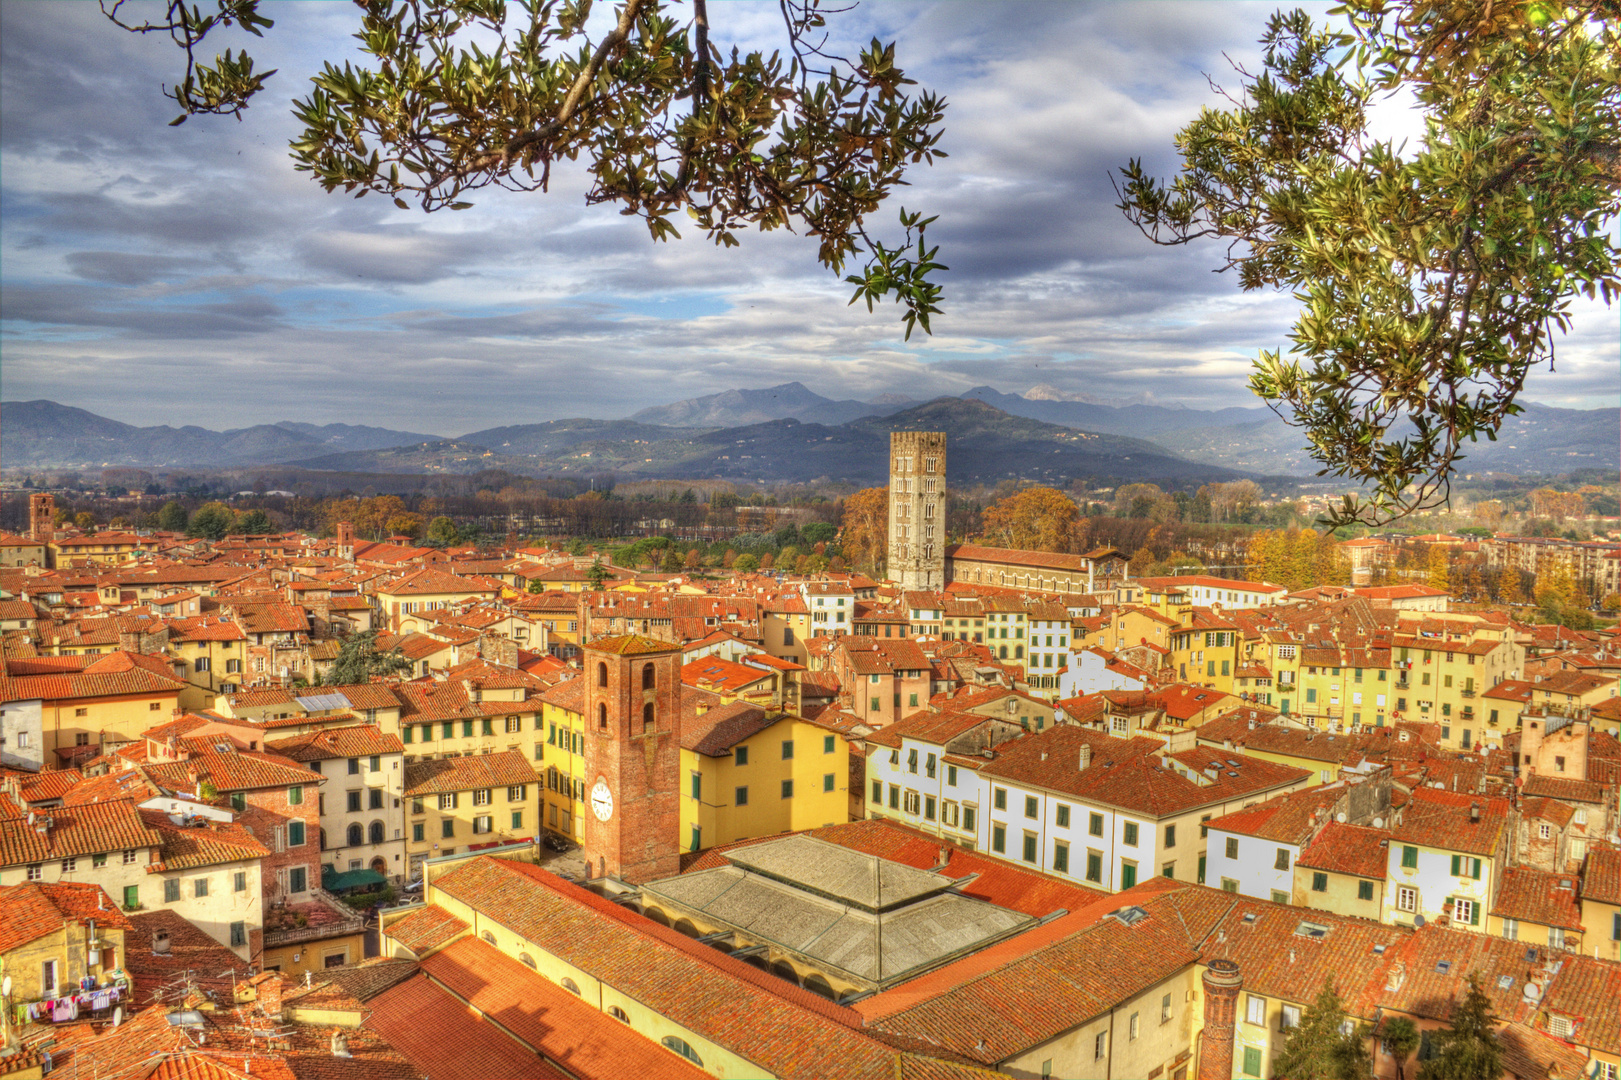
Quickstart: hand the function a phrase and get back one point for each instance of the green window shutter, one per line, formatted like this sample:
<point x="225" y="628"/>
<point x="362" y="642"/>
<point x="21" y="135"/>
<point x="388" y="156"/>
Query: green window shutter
<point x="1409" y="857"/>
<point x="132" y="899"/>
<point x="1474" y="914"/>
<point x="1457" y="869"/>
<point x="409" y="731"/>
<point x="295" y="833"/>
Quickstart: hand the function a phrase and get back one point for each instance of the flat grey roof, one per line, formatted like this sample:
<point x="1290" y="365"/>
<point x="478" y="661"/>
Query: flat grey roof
<point x="838" y="873"/>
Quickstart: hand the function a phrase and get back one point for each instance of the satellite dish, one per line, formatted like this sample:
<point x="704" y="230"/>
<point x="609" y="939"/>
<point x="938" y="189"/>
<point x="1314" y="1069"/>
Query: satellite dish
<point x="1418" y="920"/>
<point x="118" y="1015"/>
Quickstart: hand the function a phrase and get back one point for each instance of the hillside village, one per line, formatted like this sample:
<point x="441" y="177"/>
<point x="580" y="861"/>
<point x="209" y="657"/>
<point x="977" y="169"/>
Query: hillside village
<point x="283" y="803"/>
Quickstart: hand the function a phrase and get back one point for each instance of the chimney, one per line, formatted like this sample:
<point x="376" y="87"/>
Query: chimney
<point x="1222" y="982"/>
<point x="1474" y="813"/>
<point x="1086" y="756"/>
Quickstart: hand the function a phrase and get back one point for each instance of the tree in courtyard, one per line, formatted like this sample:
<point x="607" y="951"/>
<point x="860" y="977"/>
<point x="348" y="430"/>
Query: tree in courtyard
<point x="1324" y="1045"/>
<point x="441" y="533"/>
<point x="1468" y="1049"/>
<point x="1035" y="519"/>
<point x="452" y="96"/>
<point x="359" y="660"/>
<point x="172" y="517"/>
<point x="866" y="528"/>
<point x="1433" y="278"/>
<point x="1401" y="1039"/>
<point x="211" y="521"/>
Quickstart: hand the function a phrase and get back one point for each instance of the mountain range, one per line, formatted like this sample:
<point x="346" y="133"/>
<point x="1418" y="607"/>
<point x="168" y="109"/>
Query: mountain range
<point x="791" y="433"/>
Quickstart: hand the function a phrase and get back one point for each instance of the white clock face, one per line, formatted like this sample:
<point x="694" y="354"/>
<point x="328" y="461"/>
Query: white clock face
<point x="602" y="800"/>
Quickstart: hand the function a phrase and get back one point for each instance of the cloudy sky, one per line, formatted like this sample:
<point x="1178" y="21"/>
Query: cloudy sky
<point x="189" y="276"/>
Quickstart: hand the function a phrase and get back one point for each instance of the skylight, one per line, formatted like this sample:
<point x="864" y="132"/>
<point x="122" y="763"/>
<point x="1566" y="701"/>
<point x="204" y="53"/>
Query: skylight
<point x="1315" y="931"/>
<point x="1443" y="967"/>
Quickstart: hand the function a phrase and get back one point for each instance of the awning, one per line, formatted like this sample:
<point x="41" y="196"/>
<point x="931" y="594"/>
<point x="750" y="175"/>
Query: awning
<point x="351" y="879"/>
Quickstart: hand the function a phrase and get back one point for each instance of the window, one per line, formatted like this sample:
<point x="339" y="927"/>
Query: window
<point x="1255" y="1009"/>
<point x="1128" y="874"/>
<point x="828" y="784"/>
<point x="1170" y="836"/>
<point x="911" y="761"/>
<point x="740" y="756"/>
<point x="787" y="749"/>
<point x="968" y="819"/>
<point x="239" y="881"/>
<point x="47" y="978"/>
<point x="1288" y="1017"/>
<point x="1061" y="857"/>
<point x="295" y="833"/>
<point x="1282" y="861"/>
<point x="1094" y="866"/>
<point x="1132" y="1027"/>
<point x="354" y="801"/>
<point x="132" y="897"/>
<point x="298" y="879"/>
<point x="1511" y="929"/>
<point x="1063" y="816"/>
<point x="1409" y="857"/>
<point x="1100" y="1045"/>
<point x="447" y="801"/>
<point x="418" y="832"/>
<point x="697" y="786"/>
<point x="1229" y="885"/>
<point x="1232" y="847"/>
<point x="1319" y="882"/>
<point x="613" y="1010"/>
<point x="70" y="864"/>
<point x="1406" y="898"/>
<point x="877" y="791"/>
<point x="787" y="789"/>
<point x="1130" y="839"/>
<point x="1466" y="911"/>
<point x="129" y="857"/>
<point x="1364" y="890"/>
<point x="239" y="934"/>
<point x="999" y="798"/>
<point x="1029" y="847"/>
<point x="295" y="795"/>
<point x="1165" y="1009"/>
<point x="354" y="766"/>
<point x="680" y="1046"/>
<point x="375" y="799"/>
<point x="1279" y="896"/>
<point x="1252" y="1061"/>
<point x="447" y="828"/>
<point x="741" y="795"/>
<point x="1465" y="866"/>
<point x="483" y="824"/>
<point x="999" y="838"/>
<point x="1032" y="806"/>
<point x="894" y="797"/>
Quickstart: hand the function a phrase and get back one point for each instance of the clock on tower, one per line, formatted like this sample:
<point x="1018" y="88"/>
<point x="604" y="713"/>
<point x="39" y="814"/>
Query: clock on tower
<point x="632" y="757"/>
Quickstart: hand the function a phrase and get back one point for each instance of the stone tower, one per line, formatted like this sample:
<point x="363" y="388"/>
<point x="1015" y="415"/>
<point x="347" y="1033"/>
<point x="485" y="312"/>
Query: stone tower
<point x="917" y="509"/>
<point x="632" y="758"/>
<point x="42" y="517"/>
<point x="1222" y="982"/>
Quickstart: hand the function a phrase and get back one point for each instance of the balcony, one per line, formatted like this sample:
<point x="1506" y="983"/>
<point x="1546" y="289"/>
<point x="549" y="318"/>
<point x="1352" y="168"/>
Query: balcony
<point x="1468" y="691"/>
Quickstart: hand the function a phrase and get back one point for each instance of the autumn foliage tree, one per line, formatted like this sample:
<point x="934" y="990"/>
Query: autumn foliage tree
<point x="1035" y="519"/>
<point x="865" y="529"/>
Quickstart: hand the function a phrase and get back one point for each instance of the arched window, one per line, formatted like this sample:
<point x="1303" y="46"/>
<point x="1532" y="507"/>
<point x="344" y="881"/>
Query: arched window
<point x="571" y="986"/>
<point x="357" y="835"/>
<point x="602" y="715"/>
<point x="682" y="1047"/>
<point x="648" y="720"/>
<point x="487" y="936"/>
<point x="619" y="1014"/>
<point x="376" y="832"/>
<point x="602" y="674"/>
<point x="527" y="959"/>
<point x="647" y="677"/>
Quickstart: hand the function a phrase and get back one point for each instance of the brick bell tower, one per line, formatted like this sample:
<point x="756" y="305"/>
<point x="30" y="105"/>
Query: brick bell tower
<point x="1222" y="982"/>
<point x="632" y="758"/>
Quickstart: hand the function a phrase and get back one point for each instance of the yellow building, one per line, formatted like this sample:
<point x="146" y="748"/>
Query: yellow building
<point x="215" y="654"/>
<point x="1342" y="870"/>
<point x="1439" y="681"/>
<point x="120" y="694"/>
<point x="405" y="604"/>
<point x="53" y="935"/>
<point x="563" y="754"/>
<point x="467" y="803"/>
<point x="101" y="549"/>
<point x="1601" y="902"/>
<point x="1205" y="650"/>
<point x="748" y="771"/>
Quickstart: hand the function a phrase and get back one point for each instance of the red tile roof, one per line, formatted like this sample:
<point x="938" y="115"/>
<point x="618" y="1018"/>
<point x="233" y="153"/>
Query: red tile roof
<point x="1539" y="896"/>
<point x="507" y="768"/>
<point x="1349" y="849"/>
<point x="582" y="1038"/>
<point x="91" y="829"/>
<point x="234" y="771"/>
<point x="1442" y="819"/>
<point x="1601" y="876"/>
<point x="34" y="909"/>
<point x="427" y="929"/>
<point x="446" y="1039"/>
<point x="210" y="843"/>
<point x="360" y="740"/>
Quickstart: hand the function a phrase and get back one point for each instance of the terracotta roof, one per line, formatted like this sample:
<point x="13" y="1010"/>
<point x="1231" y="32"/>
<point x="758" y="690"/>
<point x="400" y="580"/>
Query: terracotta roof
<point x="367" y="979"/>
<point x="1601" y="876"/>
<point x="717" y="731"/>
<point x="1539" y="896"/>
<point x="778" y="1027"/>
<point x="504" y="769"/>
<point x="427" y="929"/>
<point x="1348" y="849"/>
<point x="447" y="1039"/>
<point x="233" y="771"/>
<point x="361" y="740"/>
<point x="1589" y="991"/>
<point x="91" y="829"/>
<point x="34" y="909"/>
<point x="1442" y="819"/>
<point x="632" y="645"/>
<point x="210" y="843"/>
<point x="592" y="1044"/>
<point x="190" y="949"/>
<point x="1557" y="787"/>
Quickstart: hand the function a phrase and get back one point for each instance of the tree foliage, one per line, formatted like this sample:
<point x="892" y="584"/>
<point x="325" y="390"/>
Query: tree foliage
<point x="1035" y="519"/>
<point x="211" y="521"/>
<point x="441" y="532"/>
<point x="251" y="523"/>
<point x="360" y="660"/>
<point x="1468" y="1049"/>
<point x="173" y="517"/>
<point x="865" y="529"/>
<point x="1320" y="1047"/>
<point x="1401" y="1037"/>
<point x="460" y="95"/>
<point x="1432" y="280"/>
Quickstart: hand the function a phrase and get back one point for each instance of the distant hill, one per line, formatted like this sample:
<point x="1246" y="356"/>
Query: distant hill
<point x="735" y="408"/>
<point x="45" y="434"/>
<point x="1139" y="420"/>
<point x="554" y="436"/>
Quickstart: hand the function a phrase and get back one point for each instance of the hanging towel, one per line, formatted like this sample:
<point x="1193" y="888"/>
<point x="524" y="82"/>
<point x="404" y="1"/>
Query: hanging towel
<point x="62" y="1011"/>
<point x="99" y="1001"/>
